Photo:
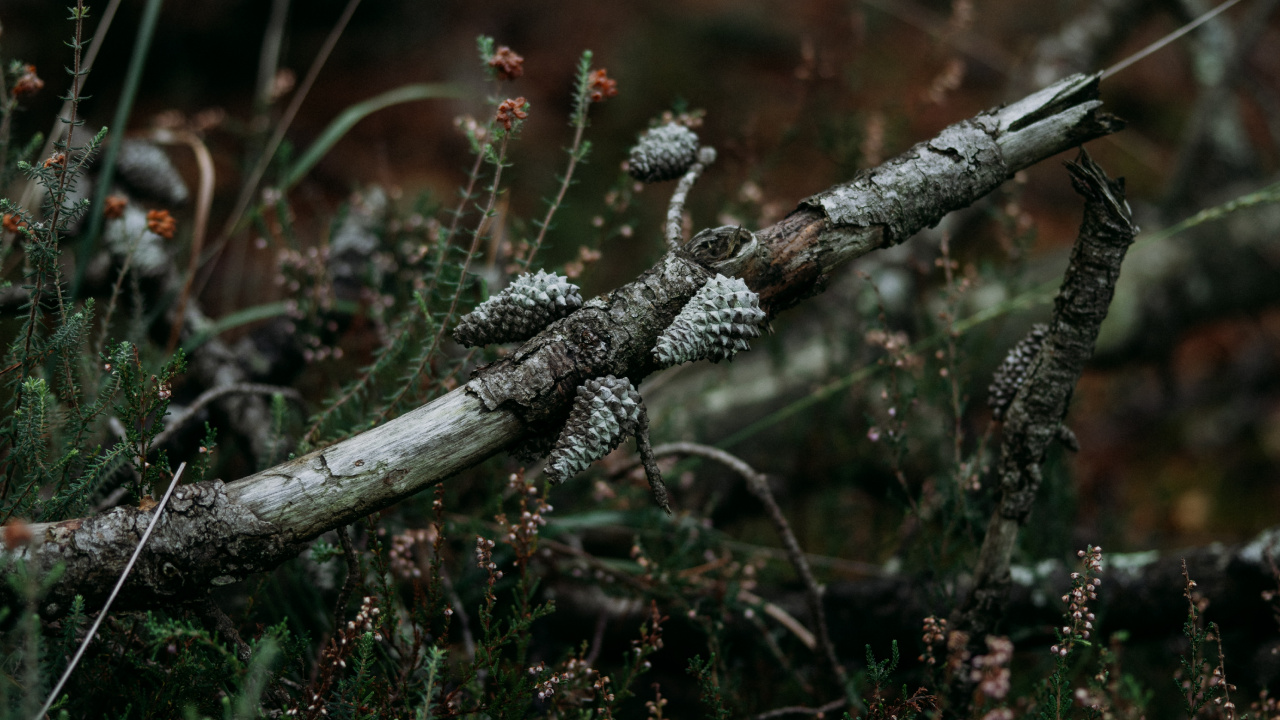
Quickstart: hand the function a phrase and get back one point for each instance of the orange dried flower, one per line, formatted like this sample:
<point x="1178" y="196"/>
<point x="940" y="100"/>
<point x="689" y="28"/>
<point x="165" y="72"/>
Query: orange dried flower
<point x="56" y="159"/>
<point x="11" y="222"/>
<point x="114" y="206"/>
<point x="161" y="223"/>
<point x="28" y="83"/>
<point x="602" y="86"/>
<point x="510" y="111"/>
<point x="16" y="534"/>
<point x="507" y="63"/>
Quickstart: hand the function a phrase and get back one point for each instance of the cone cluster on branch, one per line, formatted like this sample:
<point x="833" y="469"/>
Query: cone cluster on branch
<point x="604" y="413"/>
<point x="715" y="324"/>
<point x="522" y="310"/>
<point x="663" y="153"/>
<point x="1013" y="371"/>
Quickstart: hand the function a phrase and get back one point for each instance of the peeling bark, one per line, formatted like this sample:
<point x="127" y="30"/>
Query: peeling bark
<point x="523" y="394"/>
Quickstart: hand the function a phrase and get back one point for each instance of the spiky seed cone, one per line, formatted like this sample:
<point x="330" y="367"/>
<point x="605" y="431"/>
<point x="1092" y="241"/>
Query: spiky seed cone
<point x="715" y="324"/>
<point x="605" y="412"/>
<point x="1013" y="371"/>
<point x="663" y="153"/>
<point x="146" y="168"/>
<point x="522" y="310"/>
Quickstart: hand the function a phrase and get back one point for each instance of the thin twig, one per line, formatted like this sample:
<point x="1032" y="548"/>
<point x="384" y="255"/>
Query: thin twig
<point x="758" y="484"/>
<point x="102" y="614"/>
<point x="483" y="227"/>
<point x="115" y="296"/>
<point x="225" y="627"/>
<point x="651" y="471"/>
<point x="212" y="394"/>
<point x="453" y="223"/>
<point x="784" y="618"/>
<point x="675" y="210"/>
<point x="353" y="576"/>
<point x="802" y="710"/>
<point x="464" y="619"/>
<point x="564" y="187"/>
<point x="269" y="56"/>
<point x="107" y="166"/>
<point x="55" y="134"/>
<point x="264" y="160"/>
<point x="204" y="201"/>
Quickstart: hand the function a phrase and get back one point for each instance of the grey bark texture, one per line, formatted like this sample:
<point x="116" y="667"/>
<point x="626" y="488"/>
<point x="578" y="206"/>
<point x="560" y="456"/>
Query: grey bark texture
<point x="1033" y="420"/>
<point x="530" y="391"/>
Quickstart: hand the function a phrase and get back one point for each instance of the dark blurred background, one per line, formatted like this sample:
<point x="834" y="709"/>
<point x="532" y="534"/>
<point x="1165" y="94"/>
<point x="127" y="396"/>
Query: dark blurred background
<point x="1180" y="417"/>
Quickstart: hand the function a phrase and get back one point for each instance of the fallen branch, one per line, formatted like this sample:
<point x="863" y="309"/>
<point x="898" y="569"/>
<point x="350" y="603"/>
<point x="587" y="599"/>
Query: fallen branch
<point x="1033" y="419"/>
<point x="224" y="532"/>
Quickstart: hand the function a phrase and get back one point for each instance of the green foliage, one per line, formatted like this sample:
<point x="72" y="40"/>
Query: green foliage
<point x="55" y="403"/>
<point x="709" y="687"/>
<point x="144" y="403"/>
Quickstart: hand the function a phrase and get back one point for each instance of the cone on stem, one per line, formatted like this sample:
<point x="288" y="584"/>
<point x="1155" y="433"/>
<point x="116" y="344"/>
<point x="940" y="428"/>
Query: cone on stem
<point x="715" y="324"/>
<point x="605" y="411"/>
<point x="529" y="304"/>
<point x="663" y="153"/>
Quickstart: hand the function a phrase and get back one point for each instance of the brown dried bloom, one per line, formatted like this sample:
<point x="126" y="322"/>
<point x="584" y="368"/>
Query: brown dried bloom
<point x="28" y="83"/>
<point x="11" y="222"/>
<point x="16" y="534"/>
<point x="507" y="63"/>
<point x="510" y="111"/>
<point x="161" y="223"/>
<point x="602" y="86"/>
<point x="114" y="206"/>
<point x="56" y="159"/>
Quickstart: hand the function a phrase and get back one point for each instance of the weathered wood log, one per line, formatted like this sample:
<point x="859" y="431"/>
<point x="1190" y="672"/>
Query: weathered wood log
<point x="216" y="533"/>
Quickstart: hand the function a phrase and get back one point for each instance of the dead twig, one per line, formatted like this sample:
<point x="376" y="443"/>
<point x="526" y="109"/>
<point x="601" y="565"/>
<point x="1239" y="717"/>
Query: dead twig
<point x="1035" y="415"/>
<point x="213" y="394"/>
<point x="758" y="484"/>
<point x="675" y="210"/>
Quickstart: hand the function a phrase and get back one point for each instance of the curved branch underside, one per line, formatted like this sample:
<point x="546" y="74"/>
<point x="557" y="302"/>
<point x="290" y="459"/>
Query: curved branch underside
<point x="215" y="534"/>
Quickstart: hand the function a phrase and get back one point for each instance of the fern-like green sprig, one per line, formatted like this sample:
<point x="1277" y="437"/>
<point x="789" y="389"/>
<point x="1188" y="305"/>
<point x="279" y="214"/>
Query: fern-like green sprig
<point x="577" y="152"/>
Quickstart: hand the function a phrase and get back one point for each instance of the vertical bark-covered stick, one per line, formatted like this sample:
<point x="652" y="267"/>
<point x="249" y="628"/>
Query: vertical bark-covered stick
<point x="651" y="470"/>
<point x="674" y="227"/>
<point x="1033" y="419"/>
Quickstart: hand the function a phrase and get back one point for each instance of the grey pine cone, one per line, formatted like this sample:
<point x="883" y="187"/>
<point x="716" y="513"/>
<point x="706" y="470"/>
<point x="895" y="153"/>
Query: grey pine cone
<point x="146" y="168"/>
<point x="522" y="310"/>
<point x="715" y="324"/>
<point x="605" y="412"/>
<point x="1013" y="371"/>
<point x="663" y="153"/>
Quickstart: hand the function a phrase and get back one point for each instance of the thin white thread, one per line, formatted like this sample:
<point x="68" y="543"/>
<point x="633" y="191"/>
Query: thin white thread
<point x="102" y="614"/>
<point x="1153" y="47"/>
